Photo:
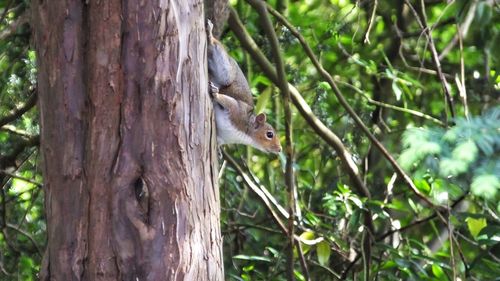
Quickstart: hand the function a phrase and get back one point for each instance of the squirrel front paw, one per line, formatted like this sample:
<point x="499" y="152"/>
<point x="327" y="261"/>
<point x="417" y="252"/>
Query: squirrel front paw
<point x="214" y="90"/>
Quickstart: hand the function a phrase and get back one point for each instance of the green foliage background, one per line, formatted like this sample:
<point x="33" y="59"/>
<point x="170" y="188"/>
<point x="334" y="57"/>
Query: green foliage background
<point x="391" y="83"/>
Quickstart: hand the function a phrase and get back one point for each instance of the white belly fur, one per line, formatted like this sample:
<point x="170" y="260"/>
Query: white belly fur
<point x="227" y="133"/>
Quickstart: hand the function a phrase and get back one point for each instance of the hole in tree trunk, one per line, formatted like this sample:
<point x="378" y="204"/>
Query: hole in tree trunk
<point x="142" y="196"/>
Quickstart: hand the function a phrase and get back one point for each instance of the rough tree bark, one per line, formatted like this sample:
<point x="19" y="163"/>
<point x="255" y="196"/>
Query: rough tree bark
<point x="127" y="140"/>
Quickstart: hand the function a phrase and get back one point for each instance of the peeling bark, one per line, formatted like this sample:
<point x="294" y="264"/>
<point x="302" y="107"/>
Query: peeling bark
<point x="127" y="140"/>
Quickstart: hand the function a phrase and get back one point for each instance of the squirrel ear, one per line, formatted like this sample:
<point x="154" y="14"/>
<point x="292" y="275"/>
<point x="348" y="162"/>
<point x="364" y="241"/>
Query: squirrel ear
<point x="261" y="118"/>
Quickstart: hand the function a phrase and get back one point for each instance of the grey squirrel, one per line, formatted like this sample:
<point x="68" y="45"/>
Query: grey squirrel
<point x="236" y="122"/>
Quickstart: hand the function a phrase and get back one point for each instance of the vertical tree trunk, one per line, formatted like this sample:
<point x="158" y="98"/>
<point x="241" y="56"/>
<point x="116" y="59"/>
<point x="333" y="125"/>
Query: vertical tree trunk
<point x="127" y="139"/>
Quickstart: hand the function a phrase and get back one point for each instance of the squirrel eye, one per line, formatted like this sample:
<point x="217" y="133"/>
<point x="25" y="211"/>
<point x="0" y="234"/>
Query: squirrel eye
<point x="269" y="134"/>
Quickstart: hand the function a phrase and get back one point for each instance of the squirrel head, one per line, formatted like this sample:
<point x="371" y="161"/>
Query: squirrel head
<point x="264" y="135"/>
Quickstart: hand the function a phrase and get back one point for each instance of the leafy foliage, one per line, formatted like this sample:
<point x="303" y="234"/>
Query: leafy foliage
<point x="466" y="155"/>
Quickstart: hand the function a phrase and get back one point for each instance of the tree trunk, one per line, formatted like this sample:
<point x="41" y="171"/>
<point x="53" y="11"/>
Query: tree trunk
<point x="127" y="138"/>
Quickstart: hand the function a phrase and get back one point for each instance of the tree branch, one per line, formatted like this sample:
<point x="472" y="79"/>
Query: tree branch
<point x="306" y="112"/>
<point x="422" y="21"/>
<point x="9" y="159"/>
<point x="370" y="22"/>
<point x="12" y="28"/>
<point x="256" y="190"/>
<point x="348" y="108"/>
<point x="14" y="176"/>
<point x="319" y="127"/>
<point x="24" y="233"/>
<point x="30" y="103"/>
<point x="260" y="7"/>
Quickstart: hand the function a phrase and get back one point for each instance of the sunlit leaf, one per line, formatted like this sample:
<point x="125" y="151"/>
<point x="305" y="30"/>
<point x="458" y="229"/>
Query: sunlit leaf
<point x="323" y="250"/>
<point x="263" y="99"/>
<point x="475" y="225"/>
<point x="438" y="272"/>
<point x="299" y="275"/>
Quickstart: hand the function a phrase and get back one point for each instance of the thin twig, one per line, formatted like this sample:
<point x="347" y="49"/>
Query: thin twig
<point x="34" y="196"/>
<point x="319" y="127"/>
<point x="19" y="111"/>
<point x="239" y="226"/>
<point x="326" y="134"/>
<point x="302" y="260"/>
<point x="5" y="11"/>
<point x="462" y="91"/>
<point x="336" y="275"/>
<point x="15" y="131"/>
<point x="348" y="108"/>
<point x="256" y="190"/>
<point x="267" y="204"/>
<point x="390" y="106"/>
<point x="9" y="159"/>
<point x="260" y="7"/>
<point x="452" y="252"/>
<point x="370" y="23"/>
<point x="306" y="112"/>
<point x="12" y="27"/>
<point x="422" y="21"/>
<point x="21" y="178"/>
<point x="400" y="230"/>
<point x="464" y="27"/>
<point x="24" y="233"/>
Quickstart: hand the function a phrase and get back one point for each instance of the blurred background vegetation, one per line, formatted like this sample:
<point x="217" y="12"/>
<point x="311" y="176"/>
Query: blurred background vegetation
<point x="381" y="56"/>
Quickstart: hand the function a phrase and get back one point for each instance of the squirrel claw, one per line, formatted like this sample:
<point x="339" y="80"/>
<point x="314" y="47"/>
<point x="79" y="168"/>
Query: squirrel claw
<point x="209" y="27"/>
<point x="214" y="90"/>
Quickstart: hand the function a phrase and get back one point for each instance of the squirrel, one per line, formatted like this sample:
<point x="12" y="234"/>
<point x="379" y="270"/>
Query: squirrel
<point x="234" y="117"/>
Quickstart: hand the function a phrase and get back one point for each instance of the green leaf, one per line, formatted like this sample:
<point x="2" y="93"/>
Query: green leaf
<point x="299" y="275"/>
<point x="475" y="225"/>
<point x="490" y="235"/>
<point x="422" y="185"/>
<point x="323" y="250"/>
<point x="397" y="90"/>
<point x="307" y="236"/>
<point x="388" y="264"/>
<point x="304" y="238"/>
<point x="263" y="99"/>
<point x="248" y="268"/>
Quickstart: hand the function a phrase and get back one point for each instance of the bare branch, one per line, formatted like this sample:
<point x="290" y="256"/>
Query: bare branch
<point x="14" y="176"/>
<point x="302" y="260"/>
<point x="422" y="21"/>
<point x="9" y="159"/>
<point x="348" y="108"/>
<point x="12" y="28"/>
<point x="319" y="127"/>
<point x="256" y="190"/>
<point x="260" y="7"/>
<point x="370" y="22"/>
<point x="30" y="103"/>
<point x="24" y="233"/>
